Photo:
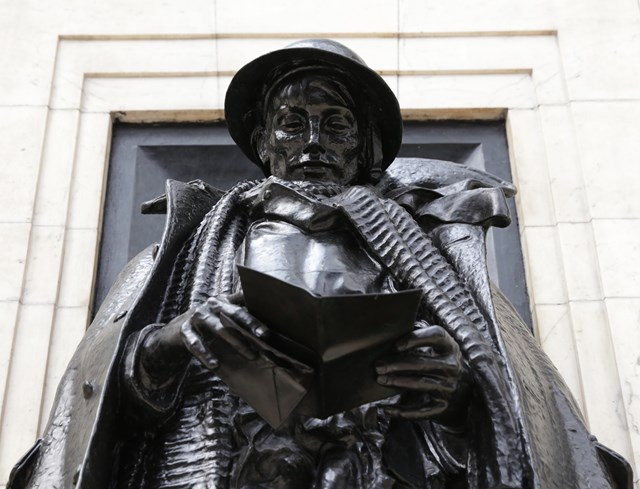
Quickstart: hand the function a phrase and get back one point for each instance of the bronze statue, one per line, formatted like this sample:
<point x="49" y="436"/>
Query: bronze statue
<point x="150" y="399"/>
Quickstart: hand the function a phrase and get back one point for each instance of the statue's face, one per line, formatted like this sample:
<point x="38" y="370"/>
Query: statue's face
<point x="311" y="134"/>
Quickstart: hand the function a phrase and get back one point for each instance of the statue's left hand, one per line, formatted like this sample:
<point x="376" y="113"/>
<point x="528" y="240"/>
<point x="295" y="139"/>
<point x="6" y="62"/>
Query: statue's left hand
<point x="429" y="367"/>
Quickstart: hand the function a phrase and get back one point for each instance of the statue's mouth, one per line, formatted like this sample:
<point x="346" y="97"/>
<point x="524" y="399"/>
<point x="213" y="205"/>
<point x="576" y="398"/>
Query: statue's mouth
<point x="314" y="163"/>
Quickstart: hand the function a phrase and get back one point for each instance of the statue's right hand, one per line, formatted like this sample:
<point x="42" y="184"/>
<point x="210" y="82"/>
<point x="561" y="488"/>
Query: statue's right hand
<point x="220" y="319"/>
<point x="217" y="322"/>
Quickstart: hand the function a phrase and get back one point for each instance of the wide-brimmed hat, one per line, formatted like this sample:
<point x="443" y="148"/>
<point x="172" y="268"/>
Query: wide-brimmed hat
<point x="245" y="96"/>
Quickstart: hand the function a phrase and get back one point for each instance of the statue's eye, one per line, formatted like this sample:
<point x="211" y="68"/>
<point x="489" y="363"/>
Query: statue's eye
<point x="338" y="124"/>
<point x="291" y="123"/>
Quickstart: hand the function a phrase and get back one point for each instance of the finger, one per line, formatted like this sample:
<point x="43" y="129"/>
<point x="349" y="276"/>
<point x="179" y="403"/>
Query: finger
<point x="240" y="316"/>
<point x="236" y="299"/>
<point x="215" y="304"/>
<point x="212" y="327"/>
<point x="234" y="337"/>
<point x="434" y="408"/>
<point x="418" y="364"/>
<point x="431" y="336"/>
<point x="194" y="343"/>
<point x="421" y="384"/>
<point x="210" y="311"/>
<point x="244" y="319"/>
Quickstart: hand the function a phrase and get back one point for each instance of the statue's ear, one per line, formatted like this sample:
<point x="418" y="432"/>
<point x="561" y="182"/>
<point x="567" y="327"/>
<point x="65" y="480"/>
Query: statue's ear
<point x="259" y="141"/>
<point x="373" y="154"/>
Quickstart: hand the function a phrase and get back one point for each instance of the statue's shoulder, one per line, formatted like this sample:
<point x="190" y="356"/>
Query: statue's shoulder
<point x="432" y="174"/>
<point x="438" y="191"/>
<point x="180" y="195"/>
<point x="184" y="203"/>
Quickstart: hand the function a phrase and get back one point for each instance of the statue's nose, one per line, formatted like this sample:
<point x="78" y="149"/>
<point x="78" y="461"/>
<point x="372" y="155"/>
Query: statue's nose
<point x="313" y="145"/>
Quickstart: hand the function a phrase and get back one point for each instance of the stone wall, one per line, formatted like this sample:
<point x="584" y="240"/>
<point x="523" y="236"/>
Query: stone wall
<point x="565" y="76"/>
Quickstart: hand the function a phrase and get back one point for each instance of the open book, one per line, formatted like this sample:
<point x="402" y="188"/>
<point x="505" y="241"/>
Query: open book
<point x="322" y="348"/>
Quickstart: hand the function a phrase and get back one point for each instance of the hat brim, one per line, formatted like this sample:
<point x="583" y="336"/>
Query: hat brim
<point x="247" y="87"/>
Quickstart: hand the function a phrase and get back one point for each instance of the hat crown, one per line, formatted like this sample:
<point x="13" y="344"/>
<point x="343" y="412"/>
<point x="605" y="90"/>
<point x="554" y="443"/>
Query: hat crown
<point x="328" y="45"/>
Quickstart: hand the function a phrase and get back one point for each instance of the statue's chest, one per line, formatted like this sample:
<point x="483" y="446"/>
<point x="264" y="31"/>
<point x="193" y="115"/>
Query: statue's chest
<point x="309" y="242"/>
<point x="326" y="262"/>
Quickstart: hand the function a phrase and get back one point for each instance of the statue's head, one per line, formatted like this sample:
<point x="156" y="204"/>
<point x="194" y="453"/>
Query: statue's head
<point x="314" y="110"/>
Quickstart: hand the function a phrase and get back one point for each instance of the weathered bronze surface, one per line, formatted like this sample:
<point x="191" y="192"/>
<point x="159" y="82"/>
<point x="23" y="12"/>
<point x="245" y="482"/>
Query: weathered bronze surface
<point x="178" y="383"/>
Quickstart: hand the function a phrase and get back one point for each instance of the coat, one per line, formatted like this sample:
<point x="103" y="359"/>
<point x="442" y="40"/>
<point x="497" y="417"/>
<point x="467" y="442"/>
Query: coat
<point x="76" y="447"/>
